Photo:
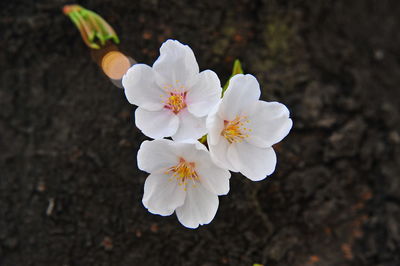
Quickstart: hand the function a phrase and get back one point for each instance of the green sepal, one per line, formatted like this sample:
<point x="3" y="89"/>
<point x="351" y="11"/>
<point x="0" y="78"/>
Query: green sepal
<point x="95" y="31"/>
<point x="237" y="69"/>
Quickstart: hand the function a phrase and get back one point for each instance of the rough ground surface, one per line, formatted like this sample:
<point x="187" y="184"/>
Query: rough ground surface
<point x="70" y="190"/>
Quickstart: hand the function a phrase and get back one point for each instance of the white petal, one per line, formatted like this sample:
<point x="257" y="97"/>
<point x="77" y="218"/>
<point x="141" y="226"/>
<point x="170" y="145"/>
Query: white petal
<point x="212" y="177"/>
<point x="243" y="91"/>
<point x="205" y="94"/>
<point x="185" y="150"/>
<point x="199" y="208"/>
<point x="219" y="154"/>
<point x="176" y="65"/>
<point x="269" y="123"/>
<point x="190" y="126"/>
<point x="253" y="162"/>
<point x="156" y="155"/>
<point x="200" y="146"/>
<point x="162" y="196"/>
<point x="141" y="88"/>
<point x="156" y="124"/>
<point x="214" y="125"/>
<point x="188" y="149"/>
<point x="197" y="144"/>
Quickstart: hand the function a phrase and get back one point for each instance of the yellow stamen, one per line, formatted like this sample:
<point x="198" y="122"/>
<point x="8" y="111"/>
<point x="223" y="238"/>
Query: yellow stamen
<point x="234" y="131"/>
<point x="183" y="172"/>
<point x="176" y="101"/>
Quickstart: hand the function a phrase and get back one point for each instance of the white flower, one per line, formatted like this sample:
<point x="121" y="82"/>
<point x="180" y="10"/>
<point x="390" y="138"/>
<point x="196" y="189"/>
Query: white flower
<point x="183" y="178"/>
<point x="242" y="129"/>
<point x="173" y="98"/>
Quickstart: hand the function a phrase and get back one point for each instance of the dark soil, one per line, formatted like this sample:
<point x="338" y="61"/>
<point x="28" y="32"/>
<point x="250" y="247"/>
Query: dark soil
<point x="70" y="190"/>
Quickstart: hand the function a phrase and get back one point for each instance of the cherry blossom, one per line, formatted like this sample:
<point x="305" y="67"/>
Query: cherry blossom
<point x="242" y="129"/>
<point x="172" y="96"/>
<point x="183" y="179"/>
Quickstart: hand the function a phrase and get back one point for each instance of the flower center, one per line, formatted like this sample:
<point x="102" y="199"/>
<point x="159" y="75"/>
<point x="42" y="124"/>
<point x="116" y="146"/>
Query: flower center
<point x="235" y="131"/>
<point x="176" y="101"/>
<point x="183" y="172"/>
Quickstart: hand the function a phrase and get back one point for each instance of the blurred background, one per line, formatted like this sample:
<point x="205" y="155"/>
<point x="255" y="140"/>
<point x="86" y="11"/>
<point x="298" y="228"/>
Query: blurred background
<point x="70" y="189"/>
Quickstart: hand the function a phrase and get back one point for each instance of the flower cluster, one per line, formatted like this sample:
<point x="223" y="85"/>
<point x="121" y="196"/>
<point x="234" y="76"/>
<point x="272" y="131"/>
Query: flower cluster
<point x="175" y="100"/>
